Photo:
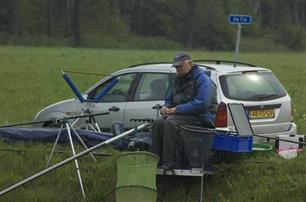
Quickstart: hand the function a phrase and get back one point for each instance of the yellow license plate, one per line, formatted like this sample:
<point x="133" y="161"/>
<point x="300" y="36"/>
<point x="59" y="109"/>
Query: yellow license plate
<point x="262" y="113"/>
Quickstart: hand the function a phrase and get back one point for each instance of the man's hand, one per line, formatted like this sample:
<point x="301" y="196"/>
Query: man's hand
<point x="171" y="111"/>
<point x="164" y="110"/>
<point x="167" y="111"/>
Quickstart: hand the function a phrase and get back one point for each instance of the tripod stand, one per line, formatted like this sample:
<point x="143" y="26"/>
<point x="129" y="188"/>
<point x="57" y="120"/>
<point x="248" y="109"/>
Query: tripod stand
<point x="90" y="122"/>
<point x="68" y="160"/>
<point x="69" y="127"/>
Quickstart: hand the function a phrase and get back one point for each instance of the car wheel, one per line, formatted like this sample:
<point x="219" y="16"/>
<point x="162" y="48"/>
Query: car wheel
<point x="52" y="124"/>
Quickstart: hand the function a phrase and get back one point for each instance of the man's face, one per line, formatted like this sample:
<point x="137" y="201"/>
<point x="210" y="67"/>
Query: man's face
<point x="183" y="69"/>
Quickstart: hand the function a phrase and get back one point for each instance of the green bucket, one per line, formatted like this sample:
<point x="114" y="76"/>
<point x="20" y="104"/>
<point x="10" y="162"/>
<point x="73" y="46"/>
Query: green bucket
<point x="136" y="177"/>
<point x="261" y="147"/>
<point x="135" y="194"/>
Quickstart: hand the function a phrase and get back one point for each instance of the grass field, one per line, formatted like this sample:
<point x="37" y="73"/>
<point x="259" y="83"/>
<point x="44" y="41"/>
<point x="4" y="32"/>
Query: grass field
<point x="31" y="79"/>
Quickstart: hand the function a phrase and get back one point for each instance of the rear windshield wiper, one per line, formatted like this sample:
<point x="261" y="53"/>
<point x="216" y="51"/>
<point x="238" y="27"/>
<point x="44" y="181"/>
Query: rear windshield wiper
<point x="264" y="96"/>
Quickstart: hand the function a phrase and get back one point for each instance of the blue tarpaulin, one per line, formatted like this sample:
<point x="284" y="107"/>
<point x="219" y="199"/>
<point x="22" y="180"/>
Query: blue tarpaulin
<point x="48" y="135"/>
<point x="229" y="142"/>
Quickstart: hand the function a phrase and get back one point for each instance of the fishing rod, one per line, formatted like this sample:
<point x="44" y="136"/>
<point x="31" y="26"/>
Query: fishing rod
<point x="86" y="73"/>
<point x="37" y="150"/>
<point x="150" y="58"/>
<point x="58" y="120"/>
<point x="27" y="123"/>
<point x="64" y="162"/>
<point x="279" y="139"/>
<point x="211" y="131"/>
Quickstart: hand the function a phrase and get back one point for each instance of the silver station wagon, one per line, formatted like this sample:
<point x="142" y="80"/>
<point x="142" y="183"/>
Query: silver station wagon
<point x="140" y="88"/>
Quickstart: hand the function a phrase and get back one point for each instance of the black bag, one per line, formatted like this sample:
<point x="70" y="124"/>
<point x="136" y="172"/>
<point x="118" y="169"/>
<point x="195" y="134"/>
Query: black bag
<point x="197" y="145"/>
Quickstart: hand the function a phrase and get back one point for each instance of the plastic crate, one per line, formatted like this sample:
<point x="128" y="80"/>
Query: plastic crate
<point x="233" y="143"/>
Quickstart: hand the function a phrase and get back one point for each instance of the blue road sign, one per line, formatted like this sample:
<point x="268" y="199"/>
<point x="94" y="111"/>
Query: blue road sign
<point x="240" y="19"/>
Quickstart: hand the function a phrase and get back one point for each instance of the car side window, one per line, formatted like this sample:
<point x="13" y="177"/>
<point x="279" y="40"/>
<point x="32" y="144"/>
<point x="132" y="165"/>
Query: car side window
<point x="118" y="93"/>
<point x="152" y="86"/>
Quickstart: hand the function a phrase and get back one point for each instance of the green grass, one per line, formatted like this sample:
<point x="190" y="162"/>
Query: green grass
<point x="60" y="185"/>
<point x="31" y="79"/>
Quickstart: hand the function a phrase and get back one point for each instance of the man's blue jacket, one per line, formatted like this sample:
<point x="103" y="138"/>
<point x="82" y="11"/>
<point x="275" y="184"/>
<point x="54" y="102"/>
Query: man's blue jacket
<point x="194" y="94"/>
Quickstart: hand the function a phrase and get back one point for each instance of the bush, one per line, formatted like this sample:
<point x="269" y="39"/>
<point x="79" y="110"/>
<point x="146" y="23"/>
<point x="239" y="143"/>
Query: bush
<point x="260" y="44"/>
<point x="34" y="40"/>
<point x="293" y="37"/>
<point x="95" y="40"/>
<point x="128" y="40"/>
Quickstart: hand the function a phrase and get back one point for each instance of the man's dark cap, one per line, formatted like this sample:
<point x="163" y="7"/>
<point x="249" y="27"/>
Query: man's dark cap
<point x="179" y="59"/>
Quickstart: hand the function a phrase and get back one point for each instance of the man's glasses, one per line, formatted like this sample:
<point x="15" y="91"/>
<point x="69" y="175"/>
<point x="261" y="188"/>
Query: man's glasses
<point x="179" y="66"/>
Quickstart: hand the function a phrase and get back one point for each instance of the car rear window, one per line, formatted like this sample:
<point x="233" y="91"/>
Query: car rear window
<point x="251" y="86"/>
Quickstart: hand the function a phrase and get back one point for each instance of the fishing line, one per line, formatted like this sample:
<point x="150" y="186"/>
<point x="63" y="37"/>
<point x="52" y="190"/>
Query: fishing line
<point x="150" y="58"/>
<point x="86" y="73"/>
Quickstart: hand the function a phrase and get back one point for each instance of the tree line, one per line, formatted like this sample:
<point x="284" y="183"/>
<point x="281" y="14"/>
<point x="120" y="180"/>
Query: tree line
<point x="121" y="23"/>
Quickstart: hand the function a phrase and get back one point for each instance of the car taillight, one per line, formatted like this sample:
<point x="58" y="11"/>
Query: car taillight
<point x="221" y="116"/>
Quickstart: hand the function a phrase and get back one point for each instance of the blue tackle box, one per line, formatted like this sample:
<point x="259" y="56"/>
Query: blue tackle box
<point x="232" y="142"/>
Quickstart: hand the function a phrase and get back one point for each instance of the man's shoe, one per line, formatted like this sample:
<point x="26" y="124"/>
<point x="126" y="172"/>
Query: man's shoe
<point x="169" y="165"/>
<point x="166" y="167"/>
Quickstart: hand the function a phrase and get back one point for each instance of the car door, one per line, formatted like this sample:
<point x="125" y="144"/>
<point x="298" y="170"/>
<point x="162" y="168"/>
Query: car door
<point x="151" y="90"/>
<point x="114" y="99"/>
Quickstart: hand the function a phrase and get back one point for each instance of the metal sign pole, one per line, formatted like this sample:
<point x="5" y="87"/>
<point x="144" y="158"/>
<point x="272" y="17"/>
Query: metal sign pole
<point x="236" y="56"/>
<point x="239" y="20"/>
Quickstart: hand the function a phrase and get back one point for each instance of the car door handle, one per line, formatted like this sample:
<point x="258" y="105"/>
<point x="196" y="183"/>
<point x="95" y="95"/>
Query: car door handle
<point x="157" y="106"/>
<point x="114" y="109"/>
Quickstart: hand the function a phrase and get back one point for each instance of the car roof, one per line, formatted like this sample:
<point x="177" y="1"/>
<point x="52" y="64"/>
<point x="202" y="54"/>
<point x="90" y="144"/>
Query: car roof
<point x="220" y="66"/>
<point x="226" y="68"/>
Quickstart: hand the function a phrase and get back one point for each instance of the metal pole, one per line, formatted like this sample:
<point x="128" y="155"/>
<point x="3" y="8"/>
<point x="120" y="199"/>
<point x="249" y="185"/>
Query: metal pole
<point x="76" y="120"/>
<point x="60" y="164"/>
<point x="75" y="160"/>
<point x="82" y="142"/>
<point x="236" y="59"/>
<point x="95" y="123"/>
<point x="55" y="143"/>
<point x="97" y="126"/>
<point x="202" y="181"/>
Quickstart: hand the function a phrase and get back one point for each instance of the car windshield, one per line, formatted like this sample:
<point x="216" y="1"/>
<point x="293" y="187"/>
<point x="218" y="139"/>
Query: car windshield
<point x="251" y="86"/>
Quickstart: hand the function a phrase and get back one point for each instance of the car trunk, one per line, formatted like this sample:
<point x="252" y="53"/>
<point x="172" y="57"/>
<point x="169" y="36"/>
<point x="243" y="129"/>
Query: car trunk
<point x="270" y="116"/>
<point x="266" y="102"/>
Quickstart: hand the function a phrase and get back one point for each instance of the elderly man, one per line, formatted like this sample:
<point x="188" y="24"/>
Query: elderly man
<point x="192" y="101"/>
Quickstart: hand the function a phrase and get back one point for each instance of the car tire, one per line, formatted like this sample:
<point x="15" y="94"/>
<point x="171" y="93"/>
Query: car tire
<point x="52" y="124"/>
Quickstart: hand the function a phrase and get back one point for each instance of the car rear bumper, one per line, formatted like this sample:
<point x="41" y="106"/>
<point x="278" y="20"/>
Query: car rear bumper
<point x="265" y="136"/>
